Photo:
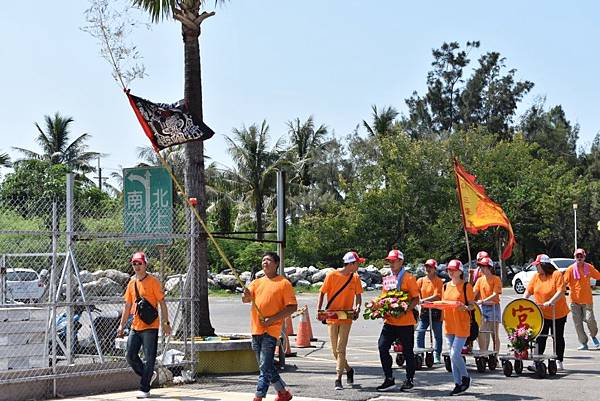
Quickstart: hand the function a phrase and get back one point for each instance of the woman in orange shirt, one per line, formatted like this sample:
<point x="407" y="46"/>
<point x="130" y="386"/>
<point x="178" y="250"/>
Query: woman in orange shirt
<point x="487" y="291"/>
<point x="457" y="323"/>
<point x="548" y="288"/>
<point x="430" y="289"/>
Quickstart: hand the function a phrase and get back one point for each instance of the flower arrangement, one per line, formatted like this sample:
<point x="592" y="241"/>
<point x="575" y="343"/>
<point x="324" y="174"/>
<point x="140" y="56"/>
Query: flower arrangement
<point x="520" y="340"/>
<point x="391" y="303"/>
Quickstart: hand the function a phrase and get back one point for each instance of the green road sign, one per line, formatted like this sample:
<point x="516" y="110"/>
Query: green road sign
<point x="148" y="205"/>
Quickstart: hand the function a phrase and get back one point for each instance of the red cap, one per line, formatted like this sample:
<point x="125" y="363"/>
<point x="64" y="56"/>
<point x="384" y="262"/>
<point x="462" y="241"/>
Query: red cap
<point x="485" y="261"/>
<point x="482" y="254"/>
<point x="395" y="254"/>
<point x="139" y="257"/>
<point x="352" y="257"/>
<point x="579" y="251"/>
<point x="431" y="262"/>
<point x="454" y="264"/>
<point x="541" y="258"/>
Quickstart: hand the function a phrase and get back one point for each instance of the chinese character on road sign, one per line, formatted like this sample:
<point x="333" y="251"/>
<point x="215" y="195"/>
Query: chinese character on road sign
<point x="148" y="209"/>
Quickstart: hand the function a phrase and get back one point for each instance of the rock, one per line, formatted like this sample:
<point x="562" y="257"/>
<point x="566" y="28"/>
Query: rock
<point x="320" y="275"/>
<point x="369" y="288"/>
<point x="259" y="274"/>
<point x="289" y="270"/>
<point x="303" y="272"/>
<point x="385" y="271"/>
<point x="378" y="286"/>
<point x="226" y="281"/>
<point x="295" y="277"/>
<point x="245" y="276"/>
<point x="104" y="287"/>
<point x="303" y="283"/>
<point x="212" y="284"/>
<point x="317" y="285"/>
<point x="363" y="284"/>
<point x="86" y="276"/>
<point x="174" y="283"/>
<point x="312" y="270"/>
<point x="118" y="277"/>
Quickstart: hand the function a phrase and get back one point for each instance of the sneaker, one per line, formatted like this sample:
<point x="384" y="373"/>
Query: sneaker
<point x="457" y="389"/>
<point x="387" y="385"/>
<point x="407" y="385"/>
<point x="154" y="377"/>
<point x="338" y="385"/>
<point x="559" y="365"/>
<point x="143" y="394"/>
<point x="466" y="383"/>
<point x="436" y="358"/>
<point x="350" y="376"/>
<point x="583" y="347"/>
<point x="283" y="396"/>
<point x="596" y="342"/>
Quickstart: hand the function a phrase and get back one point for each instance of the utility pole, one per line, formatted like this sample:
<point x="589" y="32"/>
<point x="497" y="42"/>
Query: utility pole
<point x="99" y="177"/>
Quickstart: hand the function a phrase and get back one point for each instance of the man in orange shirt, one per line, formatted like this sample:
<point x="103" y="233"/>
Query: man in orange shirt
<point x="402" y="328"/>
<point x="143" y="334"/>
<point x="577" y="277"/>
<point x="272" y="298"/>
<point x="343" y="290"/>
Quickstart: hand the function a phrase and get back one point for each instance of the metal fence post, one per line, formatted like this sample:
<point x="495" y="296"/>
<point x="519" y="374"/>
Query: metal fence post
<point x="67" y="272"/>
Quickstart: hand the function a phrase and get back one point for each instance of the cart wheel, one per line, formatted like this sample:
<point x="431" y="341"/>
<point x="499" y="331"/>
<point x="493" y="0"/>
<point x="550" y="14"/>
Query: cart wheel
<point x="418" y="362"/>
<point x="447" y="363"/>
<point x="429" y="359"/>
<point x="552" y="367"/>
<point x="492" y="362"/>
<point x="400" y="359"/>
<point x="540" y="370"/>
<point x="507" y="368"/>
<point x="480" y="363"/>
<point x="518" y="366"/>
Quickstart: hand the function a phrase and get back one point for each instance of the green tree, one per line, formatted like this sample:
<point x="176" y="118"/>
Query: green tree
<point x="306" y="144"/>
<point x="57" y="148"/>
<point x="255" y="164"/>
<point x="187" y="12"/>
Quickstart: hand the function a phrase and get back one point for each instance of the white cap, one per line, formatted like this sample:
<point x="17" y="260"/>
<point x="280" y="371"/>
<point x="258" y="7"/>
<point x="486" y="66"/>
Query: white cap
<point x="352" y="257"/>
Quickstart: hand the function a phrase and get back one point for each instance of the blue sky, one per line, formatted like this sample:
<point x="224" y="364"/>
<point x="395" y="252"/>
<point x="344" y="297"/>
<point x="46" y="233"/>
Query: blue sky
<point x="278" y="60"/>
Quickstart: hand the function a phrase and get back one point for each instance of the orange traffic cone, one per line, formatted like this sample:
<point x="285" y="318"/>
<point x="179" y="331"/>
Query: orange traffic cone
<point x="304" y="331"/>
<point x="288" y="347"/>
<point x="289" y="328"/>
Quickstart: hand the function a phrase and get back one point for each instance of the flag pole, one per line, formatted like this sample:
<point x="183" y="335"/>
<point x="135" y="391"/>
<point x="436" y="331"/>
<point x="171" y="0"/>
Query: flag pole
<point x="462" y="214"/>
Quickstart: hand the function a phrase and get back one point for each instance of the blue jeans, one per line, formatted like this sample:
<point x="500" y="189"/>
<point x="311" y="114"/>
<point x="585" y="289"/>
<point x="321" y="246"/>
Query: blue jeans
<point x="404" y="335"/>
<point x="459" y="368"/>
<point x="437" y="333"/>
<point x="264" y="347"/>
<point x="136" y="340"/>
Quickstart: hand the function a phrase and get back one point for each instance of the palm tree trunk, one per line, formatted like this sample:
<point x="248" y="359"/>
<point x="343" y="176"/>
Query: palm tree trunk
<point x="195" y="184"/>
<point x="258" y="210"/>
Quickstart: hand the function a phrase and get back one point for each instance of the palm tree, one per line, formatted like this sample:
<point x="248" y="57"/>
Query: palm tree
<point x="383" y="123"/>
<point x="306" y="143"/>
<point x="187" y="12"/>
<point x="56" y="149"/>
<point x="255" y="165"/>
<point x="4" y="160"/>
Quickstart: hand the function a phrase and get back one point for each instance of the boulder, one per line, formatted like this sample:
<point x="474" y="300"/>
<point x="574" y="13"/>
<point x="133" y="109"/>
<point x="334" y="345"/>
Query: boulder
<point x="320" y="275"/>
<point x="289" y="270"/>
<point x="259" y="274"/>
<point x="303" y="283"/>
<point x="103" y="287"/>
<point x="245" y="276"/>
<point x="385" y="271"/>
<point x="117" y="276"/>
<point x="86" y="276"/>
<point x="312" y="270"/>
<point x="363" y="284"/>
<point x="212" y="284"/>
<point x="226" y="281"/>
<point x="295" y="277"/>
<point x="174" y="283"/>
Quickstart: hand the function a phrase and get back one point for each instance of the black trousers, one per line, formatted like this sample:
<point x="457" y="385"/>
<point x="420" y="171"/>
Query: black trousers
<point x="404" y="335"/>
<point x="559" y="337"/>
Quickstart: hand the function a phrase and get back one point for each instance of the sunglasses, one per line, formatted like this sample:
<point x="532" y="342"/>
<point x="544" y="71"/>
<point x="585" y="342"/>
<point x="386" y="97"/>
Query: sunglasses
<point x="579" y="257"/>
<point x="137" y="263"/>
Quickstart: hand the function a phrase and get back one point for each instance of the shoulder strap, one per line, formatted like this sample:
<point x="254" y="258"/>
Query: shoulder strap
<point x="465" y="292"/>
<point x="329" y="301"/>
<point x="137" y="294"/>
<point x="400" y="278"/>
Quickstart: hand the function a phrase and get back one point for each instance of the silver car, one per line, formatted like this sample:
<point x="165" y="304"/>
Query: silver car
<point x="23" y="285"/>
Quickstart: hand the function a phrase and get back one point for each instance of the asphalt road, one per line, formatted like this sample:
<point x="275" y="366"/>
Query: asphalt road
<point x="312" y="372"/>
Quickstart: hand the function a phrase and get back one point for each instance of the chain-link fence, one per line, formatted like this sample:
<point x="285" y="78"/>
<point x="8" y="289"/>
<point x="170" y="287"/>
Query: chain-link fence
<point x="64" y="266"/>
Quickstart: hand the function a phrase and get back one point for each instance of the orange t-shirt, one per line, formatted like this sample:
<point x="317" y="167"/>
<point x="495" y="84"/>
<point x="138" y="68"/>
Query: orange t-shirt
<point x="487" y="287"/>
<point x="581" y="290"/>
<point x="457" y="322"/>
<point x="345" y="299"/>
<point x="271" y="296"/>
<point x="149" y="288"/>
<point x="428" y="287"/>
<point x="409" y="284"/>
<point x="543" y="288"/>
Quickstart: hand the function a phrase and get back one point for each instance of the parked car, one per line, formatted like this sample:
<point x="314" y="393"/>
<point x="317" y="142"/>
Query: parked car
<point x="521" y="279"/>
<point x="23" y="285"/>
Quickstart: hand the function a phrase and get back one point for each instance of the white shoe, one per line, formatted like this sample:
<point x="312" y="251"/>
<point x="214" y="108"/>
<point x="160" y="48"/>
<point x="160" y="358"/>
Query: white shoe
<point x="559" y="365"/>
<point x="154" y="377"/>
<point x="143" y="394"/>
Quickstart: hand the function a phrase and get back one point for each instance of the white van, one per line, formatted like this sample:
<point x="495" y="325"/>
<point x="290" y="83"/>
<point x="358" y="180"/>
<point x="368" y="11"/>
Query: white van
<point x="23" y="285"/>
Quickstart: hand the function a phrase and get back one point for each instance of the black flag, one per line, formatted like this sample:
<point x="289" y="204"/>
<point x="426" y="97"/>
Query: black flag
<point x="168" y="124"/>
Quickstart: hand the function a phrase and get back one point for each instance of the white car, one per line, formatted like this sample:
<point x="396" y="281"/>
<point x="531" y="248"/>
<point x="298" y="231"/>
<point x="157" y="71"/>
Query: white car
<point x="23" y="285"/>
<point x="521" y="279"/>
